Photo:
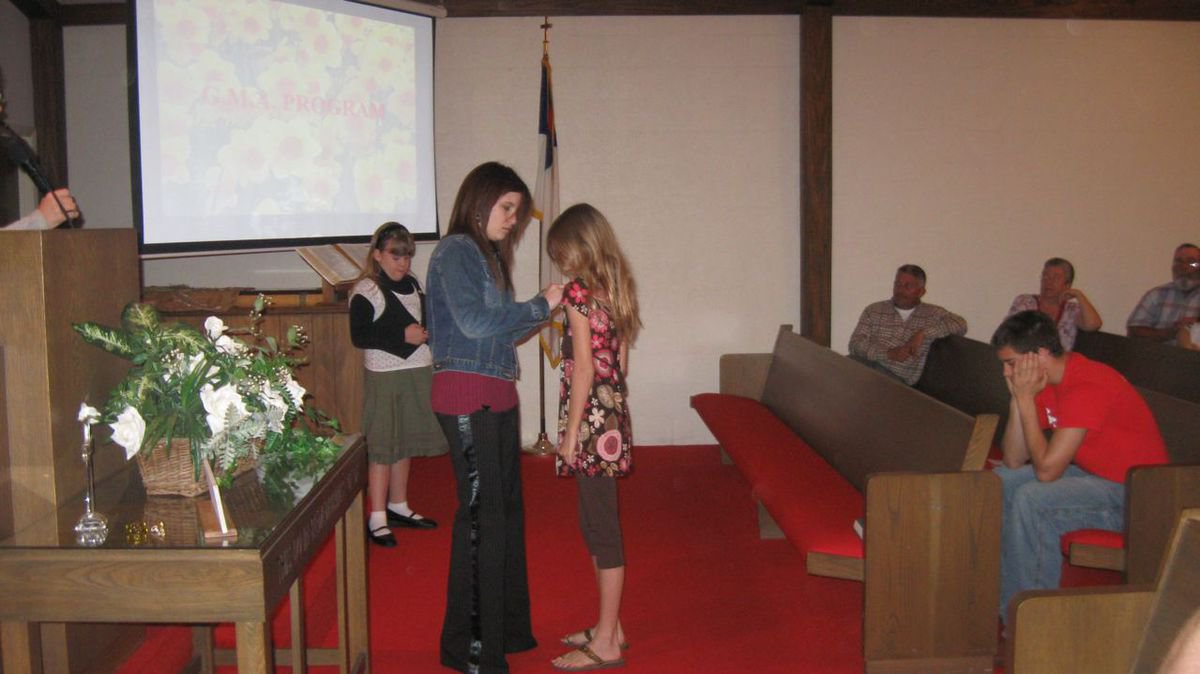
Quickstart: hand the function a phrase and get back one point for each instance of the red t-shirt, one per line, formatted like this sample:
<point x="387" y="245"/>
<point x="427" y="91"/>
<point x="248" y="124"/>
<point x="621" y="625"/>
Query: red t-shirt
<point x="1121" y="431"/>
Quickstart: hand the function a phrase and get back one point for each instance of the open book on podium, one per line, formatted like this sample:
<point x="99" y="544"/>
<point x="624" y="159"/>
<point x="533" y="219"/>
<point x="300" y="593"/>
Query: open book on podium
<point x="338" y="265"/>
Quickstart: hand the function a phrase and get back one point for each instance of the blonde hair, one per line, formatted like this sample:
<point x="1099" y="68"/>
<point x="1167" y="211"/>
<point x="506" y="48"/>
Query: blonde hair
<point x="582" y="243"/>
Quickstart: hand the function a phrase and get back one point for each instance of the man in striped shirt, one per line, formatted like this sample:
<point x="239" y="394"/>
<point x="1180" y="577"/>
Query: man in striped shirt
<point x="894" y="335"/>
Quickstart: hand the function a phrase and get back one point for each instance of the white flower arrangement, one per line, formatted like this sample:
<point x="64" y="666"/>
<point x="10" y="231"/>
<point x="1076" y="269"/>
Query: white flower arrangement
<point x="230" y="399"/>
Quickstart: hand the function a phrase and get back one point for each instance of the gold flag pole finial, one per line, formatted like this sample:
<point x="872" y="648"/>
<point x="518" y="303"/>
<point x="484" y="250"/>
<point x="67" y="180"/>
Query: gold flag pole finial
<point x="546" y="26"/>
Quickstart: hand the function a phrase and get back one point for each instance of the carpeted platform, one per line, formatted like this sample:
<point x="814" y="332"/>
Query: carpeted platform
<point x="703" y="593"/>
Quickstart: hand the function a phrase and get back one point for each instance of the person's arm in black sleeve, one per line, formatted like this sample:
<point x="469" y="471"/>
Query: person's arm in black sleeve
<point x="384" y="334"/>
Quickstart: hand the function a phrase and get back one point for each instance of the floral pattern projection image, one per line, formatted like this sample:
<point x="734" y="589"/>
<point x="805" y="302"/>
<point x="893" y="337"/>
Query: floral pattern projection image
<point x="261" y="98"/>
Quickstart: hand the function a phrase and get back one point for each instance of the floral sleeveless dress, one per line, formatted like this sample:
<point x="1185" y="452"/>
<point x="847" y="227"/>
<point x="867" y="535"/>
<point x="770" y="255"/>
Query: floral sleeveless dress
<point x="605" y="437"/>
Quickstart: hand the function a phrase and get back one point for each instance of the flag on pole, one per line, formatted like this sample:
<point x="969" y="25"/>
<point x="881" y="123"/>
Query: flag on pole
<point x="545" y="207"/>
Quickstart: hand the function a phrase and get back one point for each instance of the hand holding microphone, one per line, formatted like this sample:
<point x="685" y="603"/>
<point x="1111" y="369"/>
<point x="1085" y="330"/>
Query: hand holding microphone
<point x="57" y="206"/>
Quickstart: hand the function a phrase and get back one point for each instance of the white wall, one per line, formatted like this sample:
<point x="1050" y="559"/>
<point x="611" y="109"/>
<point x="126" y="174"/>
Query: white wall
<point x="683" y="132"/>
<point x="978" y="149"/>
<point x="975" y="148"/>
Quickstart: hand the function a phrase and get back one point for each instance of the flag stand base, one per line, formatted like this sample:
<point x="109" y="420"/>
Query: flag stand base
<point x="541" y="447"/>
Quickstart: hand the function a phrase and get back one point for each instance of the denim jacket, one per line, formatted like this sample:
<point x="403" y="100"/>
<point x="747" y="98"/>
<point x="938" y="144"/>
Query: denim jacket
<point x="473" y="326"/>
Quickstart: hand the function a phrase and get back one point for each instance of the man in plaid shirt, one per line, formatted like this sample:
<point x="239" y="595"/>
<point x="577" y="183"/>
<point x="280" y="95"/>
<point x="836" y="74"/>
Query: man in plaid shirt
<point x="894" y="335"/>
<point x="1168" y="307"/>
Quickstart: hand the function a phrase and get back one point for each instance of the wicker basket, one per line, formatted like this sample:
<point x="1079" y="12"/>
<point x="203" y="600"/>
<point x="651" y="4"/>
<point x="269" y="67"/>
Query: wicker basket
<point x="170" y="471"/>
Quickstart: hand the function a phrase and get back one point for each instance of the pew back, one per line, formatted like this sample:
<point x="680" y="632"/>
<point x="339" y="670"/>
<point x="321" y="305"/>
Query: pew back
<point x="862" y="421"/>
<point x="1178" y="421"/>
<point x="1159" y="367"/>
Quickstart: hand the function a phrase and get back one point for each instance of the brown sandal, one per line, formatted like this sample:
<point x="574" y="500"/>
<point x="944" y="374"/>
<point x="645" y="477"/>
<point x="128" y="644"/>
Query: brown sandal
<point x="597" y="662"/>
<point x="587" y="634"/>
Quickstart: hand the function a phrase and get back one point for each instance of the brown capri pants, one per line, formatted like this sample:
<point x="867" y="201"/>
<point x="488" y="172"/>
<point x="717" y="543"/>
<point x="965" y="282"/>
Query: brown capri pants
<point x="599" y="520"/>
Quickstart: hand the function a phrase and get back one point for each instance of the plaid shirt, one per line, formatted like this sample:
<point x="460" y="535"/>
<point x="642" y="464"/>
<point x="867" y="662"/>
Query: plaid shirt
<point x="1163" y="306"/>
<point x="881" y="328"/>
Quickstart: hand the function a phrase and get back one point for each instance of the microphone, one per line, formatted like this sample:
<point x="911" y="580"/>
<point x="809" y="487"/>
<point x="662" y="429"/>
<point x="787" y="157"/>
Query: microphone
<point x="13" y="146"/>
<point x="20" y="154"/>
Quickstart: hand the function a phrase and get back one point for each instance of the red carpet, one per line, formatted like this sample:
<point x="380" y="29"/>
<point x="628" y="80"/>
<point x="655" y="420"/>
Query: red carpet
<point x="703" y="593"/>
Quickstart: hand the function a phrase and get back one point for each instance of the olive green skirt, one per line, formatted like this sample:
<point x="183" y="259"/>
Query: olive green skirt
<point x="398" y="419"/>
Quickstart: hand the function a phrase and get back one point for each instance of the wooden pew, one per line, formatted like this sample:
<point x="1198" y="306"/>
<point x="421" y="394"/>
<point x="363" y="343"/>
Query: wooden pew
<point x="1145" y="363"/>
<point x="930" y="557"/>
<point x="1111" y="630"/>
<point x="965" y="374"/>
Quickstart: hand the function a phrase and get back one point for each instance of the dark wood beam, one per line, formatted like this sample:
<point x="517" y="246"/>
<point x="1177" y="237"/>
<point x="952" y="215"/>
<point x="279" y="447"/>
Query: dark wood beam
<point x="49" y="97"/>
<point x="816" y="173"/>
<point x="1128" y="10"/>
<point x="96" y="14"/>
<point x="37" y="9"/>
<point x="1146" y="10"/>
<point x="480" y="8"/>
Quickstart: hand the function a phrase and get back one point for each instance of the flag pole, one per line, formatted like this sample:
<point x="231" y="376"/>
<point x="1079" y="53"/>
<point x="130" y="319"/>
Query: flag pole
<point x="542" y="446"/>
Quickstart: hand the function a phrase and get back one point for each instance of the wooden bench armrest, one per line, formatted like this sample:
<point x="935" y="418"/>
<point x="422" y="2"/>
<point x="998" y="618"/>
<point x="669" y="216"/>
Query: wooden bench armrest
<point x="980" y="444"/>
<point x="744" y="374"/>
<point x="1096" y="556"/>
<point x="932" y="564"/>
<point x="1086" y="629"/>
<point x="1154" y="497"/>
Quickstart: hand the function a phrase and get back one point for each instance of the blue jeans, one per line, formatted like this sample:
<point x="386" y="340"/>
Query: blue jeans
<point x="1037" y="514"/>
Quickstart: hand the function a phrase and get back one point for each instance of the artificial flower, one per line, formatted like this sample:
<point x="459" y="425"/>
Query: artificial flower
<point x="218" y="402"/>
<point x="215" y="327"/>
<point x="128" y="431"/>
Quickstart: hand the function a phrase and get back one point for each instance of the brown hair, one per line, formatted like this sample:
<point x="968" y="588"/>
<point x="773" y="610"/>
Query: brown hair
<point x="479" y="192"/>
<point x="384" y="234"/>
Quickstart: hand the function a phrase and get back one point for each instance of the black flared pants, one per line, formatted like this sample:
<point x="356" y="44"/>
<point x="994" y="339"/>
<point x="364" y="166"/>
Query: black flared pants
<point x="487" y="596"/>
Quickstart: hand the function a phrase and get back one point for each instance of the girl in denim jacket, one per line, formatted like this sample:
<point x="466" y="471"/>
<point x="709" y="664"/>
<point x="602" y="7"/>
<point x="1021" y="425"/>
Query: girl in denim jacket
<point x="474" y="324"/>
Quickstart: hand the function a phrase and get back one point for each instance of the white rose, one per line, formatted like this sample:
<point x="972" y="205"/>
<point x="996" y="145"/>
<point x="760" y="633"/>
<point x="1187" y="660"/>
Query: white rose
<point x="214" y="326"/>
<point x="295" y="390"/>
<point x="217" y="403"/>
<point x="128" y="431"/>
<point x="227" y="344"/>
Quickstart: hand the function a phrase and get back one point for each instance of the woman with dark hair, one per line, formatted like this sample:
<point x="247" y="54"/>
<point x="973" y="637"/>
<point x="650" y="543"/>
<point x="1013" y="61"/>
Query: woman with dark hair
<point x="474" y="324"/>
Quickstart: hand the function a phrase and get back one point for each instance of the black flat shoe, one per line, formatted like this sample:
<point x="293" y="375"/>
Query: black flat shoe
<point x="398" y="520"/>
<point x="382" y="536"/>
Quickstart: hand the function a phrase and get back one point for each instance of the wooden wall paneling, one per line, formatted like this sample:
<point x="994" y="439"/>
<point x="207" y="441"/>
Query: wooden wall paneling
<point x="816" y="173"/>
<point x="349" y="377"/>
<point x="321" y="352"/>
<point x="49" y="97"/>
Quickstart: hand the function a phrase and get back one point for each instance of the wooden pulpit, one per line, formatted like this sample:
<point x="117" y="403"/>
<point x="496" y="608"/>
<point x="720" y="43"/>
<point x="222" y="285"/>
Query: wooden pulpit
<point x="49" y="280"/>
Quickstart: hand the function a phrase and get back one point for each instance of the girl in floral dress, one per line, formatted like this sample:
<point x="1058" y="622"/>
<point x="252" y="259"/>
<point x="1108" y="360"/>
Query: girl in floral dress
<point x="594" y="436"/>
